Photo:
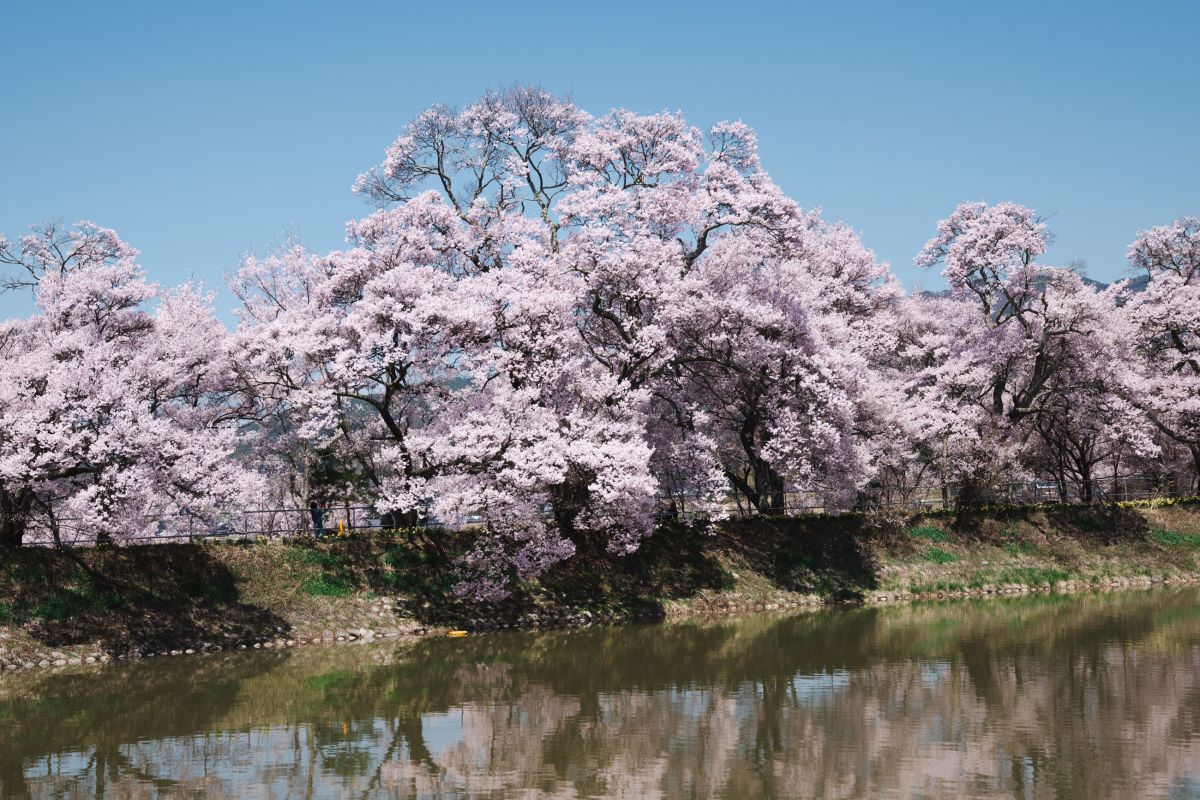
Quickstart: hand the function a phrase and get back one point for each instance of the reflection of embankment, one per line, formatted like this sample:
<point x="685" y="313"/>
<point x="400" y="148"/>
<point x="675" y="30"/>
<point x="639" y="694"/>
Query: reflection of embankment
<point x="1091" y="696"/>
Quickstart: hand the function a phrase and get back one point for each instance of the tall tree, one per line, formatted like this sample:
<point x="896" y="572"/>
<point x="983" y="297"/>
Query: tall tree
<point x="552" y="319"/>
<point x="1007" y="340"/>
<point x="1164" y="326"/>
<point x="110" y="414"/>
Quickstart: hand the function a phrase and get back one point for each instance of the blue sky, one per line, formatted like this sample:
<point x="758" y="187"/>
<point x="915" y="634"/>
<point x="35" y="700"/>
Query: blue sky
<point x="204" y="131"/>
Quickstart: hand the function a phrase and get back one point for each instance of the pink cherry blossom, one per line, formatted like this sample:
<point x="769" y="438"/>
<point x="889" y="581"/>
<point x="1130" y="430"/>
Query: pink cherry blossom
<point x="555" y="329"/>
<point x="109" y="412"/>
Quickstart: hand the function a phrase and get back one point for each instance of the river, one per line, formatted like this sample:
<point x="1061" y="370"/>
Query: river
<point x="1085" y="696"/>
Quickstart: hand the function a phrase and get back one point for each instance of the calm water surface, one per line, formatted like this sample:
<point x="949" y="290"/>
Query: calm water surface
<point x="1086" y="696"/>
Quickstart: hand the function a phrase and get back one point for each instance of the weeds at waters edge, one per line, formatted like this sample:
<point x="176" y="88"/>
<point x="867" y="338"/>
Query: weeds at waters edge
<point x="1023" y="576"/>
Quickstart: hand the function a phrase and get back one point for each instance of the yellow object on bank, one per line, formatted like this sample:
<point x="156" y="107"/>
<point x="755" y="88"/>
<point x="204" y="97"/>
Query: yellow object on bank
<point x="457" y="633"/>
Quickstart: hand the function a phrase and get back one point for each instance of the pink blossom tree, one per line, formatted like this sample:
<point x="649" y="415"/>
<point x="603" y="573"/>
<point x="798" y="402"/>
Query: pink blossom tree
<point x="1164" y="327"/>
<point x="1014" y="339"/>
<point x="1087" y="430"/>
<point x="110" y="413"/>
<point x="562" y="327"/>
<point x="778" y="364"/>
<point x="554" y="319"/>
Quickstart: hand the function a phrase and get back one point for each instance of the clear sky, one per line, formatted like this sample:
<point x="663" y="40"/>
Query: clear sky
<point x="204" y="131"/>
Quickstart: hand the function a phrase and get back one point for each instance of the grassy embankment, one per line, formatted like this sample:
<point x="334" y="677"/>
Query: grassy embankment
<point x="67" y="605"/>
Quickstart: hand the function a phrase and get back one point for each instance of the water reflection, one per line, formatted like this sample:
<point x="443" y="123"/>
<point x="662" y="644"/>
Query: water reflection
<point x="1094" y="697"/>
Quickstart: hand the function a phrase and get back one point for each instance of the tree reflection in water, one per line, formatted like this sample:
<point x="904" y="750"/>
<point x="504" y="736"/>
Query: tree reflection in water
<point x="1094" y="696"/>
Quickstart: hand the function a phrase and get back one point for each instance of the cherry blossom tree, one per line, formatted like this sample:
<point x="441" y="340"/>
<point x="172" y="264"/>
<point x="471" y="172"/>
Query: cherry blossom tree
<point x="777" y="361"/>
<point x="110" y="413"/>
<point x="564" y="328"/>
<point x="1164" y="327"/>
<point x="554" y="319"/>
<point x="1014" y="339"/>
<point x="1087" y="431"/>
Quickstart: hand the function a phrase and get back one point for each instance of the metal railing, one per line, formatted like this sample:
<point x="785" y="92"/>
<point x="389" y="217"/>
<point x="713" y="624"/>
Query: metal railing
<point x="929" y="497"/>
<point x="271" y="523"/>
<point x="257" y="523"/>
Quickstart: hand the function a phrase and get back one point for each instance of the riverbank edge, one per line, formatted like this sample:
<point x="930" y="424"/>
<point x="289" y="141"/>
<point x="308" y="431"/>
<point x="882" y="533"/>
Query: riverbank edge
<point x="744" y="567"/>
<point x="59" y="659"/>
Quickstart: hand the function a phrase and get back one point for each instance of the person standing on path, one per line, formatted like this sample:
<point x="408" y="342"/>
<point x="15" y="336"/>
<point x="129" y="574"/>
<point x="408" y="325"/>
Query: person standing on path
<point x="318" y="519"/>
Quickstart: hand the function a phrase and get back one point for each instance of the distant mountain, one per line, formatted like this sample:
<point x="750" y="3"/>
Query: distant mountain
<point x="1137" y="283"/>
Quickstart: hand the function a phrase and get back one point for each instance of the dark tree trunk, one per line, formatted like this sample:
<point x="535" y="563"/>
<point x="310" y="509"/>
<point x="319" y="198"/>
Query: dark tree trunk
<point x="770" y="490"/>
<point x="1196" y="462"/>
<point x="761" y="486"/>
<point x="970" y="494"/>
<point x="395" y="520"/>
<point x="1085" y="483"/>
<point x="14" y="517"/>
<point x="567" y="501"/>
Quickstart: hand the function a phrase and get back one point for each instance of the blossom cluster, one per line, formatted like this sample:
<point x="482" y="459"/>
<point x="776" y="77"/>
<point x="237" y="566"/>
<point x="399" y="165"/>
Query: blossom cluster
<point x="560" y="327"/>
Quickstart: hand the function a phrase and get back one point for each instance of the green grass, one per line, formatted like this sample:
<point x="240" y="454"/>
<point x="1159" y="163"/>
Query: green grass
<point x="69" y="603"/>
<point x="80" y="594"/>
<point x="939" y="556"/>
<point x="979" y="579"/>
<point x="60" y="607"/>
<point x="929" y="534"/>
<point x="326" y="582"/>
<point x="1016" y="549"/>
<point x="1025" y="576"/>
<point x="308" y="557"/>
<point x="416" y="572"/>
<point x="326" y="586"/>
<point x="32" y="574"/>
<point x="1171" y="539"/>
<point x="1030" y="576"/>
<point x="787" y="561"/>
<point x="1092" y="523"/>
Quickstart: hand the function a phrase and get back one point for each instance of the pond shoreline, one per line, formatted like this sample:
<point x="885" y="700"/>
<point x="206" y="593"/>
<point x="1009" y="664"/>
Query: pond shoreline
<point x="69" y="608"/>
<point x="58" y="660"/>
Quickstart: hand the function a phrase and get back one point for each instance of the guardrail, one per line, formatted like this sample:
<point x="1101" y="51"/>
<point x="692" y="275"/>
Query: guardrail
<point x="1122" y="488"/>
<point x="680" y="506"/>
